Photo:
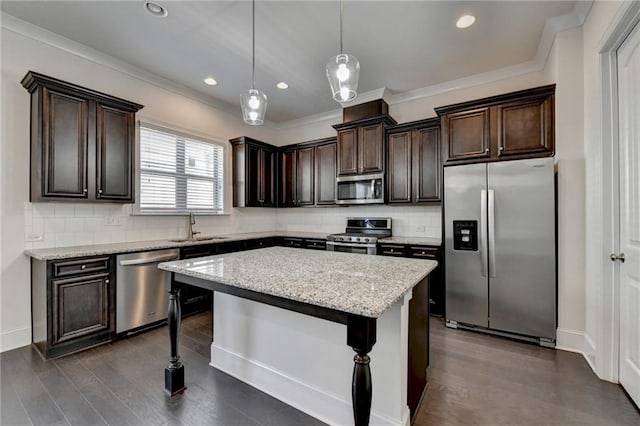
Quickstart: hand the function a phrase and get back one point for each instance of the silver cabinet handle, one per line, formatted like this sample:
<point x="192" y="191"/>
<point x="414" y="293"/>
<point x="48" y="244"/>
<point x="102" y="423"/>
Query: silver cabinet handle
<point x="83" y="267"/>
<point x="483" y="231"/>
<point x="492" y="233"/>
<point x="501" y="148"/>
<point x="149" y="260"/>
<point x="615" y="257"/>
<point x="85" y="190"/>
<point x="486" y="150"/>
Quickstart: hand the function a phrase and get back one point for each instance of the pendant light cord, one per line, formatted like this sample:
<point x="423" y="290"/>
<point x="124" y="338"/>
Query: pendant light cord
<point x="341" y="13"/>
<point x="253" y="54"/>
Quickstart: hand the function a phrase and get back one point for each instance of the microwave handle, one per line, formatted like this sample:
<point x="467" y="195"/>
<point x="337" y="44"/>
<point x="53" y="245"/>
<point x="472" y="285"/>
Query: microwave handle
<point x="373" y="188"/>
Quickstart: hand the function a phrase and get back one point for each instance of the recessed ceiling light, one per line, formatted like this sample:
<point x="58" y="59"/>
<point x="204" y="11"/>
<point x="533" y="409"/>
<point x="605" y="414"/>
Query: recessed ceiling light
<point x="282" y="85"/>
<point x="465" y="21"/>
<point x="156" y="9"/>
<point x="210" y="81"/>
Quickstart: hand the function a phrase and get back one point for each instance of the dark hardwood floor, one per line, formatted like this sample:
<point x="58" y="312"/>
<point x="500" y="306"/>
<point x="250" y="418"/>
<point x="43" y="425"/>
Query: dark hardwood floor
<point x="474" y="380"/>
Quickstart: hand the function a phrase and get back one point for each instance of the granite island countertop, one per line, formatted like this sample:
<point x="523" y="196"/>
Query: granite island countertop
<point x="352" y="283"/>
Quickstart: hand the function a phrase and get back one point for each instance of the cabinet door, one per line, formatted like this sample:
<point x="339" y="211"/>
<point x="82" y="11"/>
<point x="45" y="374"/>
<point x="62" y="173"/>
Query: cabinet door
<point x="268" y="178"/>
<point x="114" y="154"/>
<point x="305" y="177"/>
<point x="288" y="169"/>
<point x="81" y="307"/>
<point x="347" y="152"/>
<point x="399" y="163"/>
<point x="63" y="170"/>
<point x="370" y="148"/>
<point x="525" y="127"/>
<point x="326" y="174"/>
<point x="427" y="168"/>
<point x="253" y="175"/>
<point x="466" y="134"/>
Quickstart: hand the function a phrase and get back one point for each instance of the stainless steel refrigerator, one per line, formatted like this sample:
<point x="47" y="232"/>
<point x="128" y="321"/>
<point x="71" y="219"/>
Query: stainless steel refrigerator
<point x="500" y="248"/>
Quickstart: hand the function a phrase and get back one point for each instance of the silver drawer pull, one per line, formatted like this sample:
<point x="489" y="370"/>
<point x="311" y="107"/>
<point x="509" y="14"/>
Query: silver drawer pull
<point x="83" y="267"/>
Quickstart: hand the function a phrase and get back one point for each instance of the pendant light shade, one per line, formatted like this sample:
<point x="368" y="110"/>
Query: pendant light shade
<point x="343" y="71"/>
<point x="254" y="106"/>
<point x="253" y="102"/>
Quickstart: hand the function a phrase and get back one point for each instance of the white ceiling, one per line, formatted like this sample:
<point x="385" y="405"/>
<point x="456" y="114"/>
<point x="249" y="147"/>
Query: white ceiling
<point x="402" y="46"/>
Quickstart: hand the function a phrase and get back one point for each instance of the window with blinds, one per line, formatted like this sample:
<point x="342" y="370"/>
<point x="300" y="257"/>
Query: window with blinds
<point x="179" y="173"/>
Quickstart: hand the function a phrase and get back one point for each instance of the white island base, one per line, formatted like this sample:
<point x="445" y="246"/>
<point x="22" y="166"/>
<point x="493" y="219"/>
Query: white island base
<point x="305" y="361"/>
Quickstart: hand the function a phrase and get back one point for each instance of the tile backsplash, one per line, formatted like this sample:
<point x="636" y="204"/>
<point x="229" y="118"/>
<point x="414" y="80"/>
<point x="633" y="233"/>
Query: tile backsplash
<point x="415" y="221"/>
<point x="50" y="225"/>
<point x="53" y="224"/>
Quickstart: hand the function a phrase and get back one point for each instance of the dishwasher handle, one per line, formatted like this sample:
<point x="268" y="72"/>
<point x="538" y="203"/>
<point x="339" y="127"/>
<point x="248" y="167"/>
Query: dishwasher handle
<point x="157" y="259"/>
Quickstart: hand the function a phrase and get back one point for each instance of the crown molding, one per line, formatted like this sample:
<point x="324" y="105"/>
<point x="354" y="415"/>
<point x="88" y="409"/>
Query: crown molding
<point x="80" y="50"/>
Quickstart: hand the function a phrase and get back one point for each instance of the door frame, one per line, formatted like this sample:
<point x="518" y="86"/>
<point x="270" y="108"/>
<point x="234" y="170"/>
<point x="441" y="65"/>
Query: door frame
<point x="606" y="195"/>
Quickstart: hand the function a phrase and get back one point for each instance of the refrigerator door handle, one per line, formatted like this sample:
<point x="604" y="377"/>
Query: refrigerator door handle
<point x="492" y="234"/>
<point x="483" y="231"/>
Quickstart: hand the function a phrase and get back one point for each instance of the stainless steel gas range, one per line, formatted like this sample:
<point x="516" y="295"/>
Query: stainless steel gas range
<point x="361" y="235"/>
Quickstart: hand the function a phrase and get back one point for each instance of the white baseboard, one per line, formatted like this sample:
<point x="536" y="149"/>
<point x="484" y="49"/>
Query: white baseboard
<point x="570" y="340"/>
<point x="578" y="342"/>
<point x="15" y="339"/>
<point x="323" y="406"/>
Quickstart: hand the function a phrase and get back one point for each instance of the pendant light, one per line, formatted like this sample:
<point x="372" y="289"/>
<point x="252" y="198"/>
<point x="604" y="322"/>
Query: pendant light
<point x="343" y="71"/>
<point x="253" y="101"/>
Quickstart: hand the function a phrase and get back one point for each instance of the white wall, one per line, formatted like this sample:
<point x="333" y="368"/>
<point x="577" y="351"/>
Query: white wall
<point x="564" y="67"/>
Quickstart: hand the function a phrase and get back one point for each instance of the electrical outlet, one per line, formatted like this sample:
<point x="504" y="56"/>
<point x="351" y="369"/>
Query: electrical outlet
<point x="112" y="220"/>
<point x="421" y="228"/>
<point x="33" y="238"/>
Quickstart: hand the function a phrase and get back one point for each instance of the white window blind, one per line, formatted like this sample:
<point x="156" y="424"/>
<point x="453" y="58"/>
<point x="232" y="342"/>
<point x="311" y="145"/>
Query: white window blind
<point x="179" y="173"/>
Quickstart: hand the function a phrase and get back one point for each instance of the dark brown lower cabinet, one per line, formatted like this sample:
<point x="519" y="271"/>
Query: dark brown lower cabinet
<point x="72" y="304"/>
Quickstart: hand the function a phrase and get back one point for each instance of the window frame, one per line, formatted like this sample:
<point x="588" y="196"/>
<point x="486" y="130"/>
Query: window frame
<point x="188" y="134"/>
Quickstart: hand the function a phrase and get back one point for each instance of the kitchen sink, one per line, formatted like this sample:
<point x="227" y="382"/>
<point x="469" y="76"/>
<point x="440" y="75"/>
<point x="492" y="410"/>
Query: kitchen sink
<point x="184" y="240"/>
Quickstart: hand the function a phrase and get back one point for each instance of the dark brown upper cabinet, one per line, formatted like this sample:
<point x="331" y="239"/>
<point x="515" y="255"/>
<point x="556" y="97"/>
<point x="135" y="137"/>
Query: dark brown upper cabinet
<point x="414" y="169"/>
<point x="82" y="142"/>
<point x="511" y="126"/>
<point x="360" y="146"/>
<point x="254" y="173"/>
<point x="326" y="173"/>
<point x="297" y="170"/>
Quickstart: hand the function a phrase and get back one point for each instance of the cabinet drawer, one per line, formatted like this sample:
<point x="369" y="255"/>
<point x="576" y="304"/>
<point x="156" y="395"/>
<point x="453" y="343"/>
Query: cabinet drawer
<point x="292" y="242"/>
<point x="81" y="266"/>
<point x="316" y="244"/>
<point x="391" y="250"/>
<point x="423" y="252"/>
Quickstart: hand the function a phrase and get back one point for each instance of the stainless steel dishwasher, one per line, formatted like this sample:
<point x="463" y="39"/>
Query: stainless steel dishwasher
<point x="141" y="291"/>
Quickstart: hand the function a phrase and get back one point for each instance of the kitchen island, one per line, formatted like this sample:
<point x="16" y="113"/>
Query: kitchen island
<point x="318" y="292"/>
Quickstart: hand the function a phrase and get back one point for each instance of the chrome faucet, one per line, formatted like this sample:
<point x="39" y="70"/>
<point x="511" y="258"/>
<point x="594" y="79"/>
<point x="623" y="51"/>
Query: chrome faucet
<point x="190" y="231"/>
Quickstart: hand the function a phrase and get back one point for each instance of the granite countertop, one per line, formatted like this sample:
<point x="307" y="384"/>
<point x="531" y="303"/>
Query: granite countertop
<point x="117" y="248"/>
<point x="131" y="247"/>
<point x="361" y="285"/>
<point x="421" y="241"/>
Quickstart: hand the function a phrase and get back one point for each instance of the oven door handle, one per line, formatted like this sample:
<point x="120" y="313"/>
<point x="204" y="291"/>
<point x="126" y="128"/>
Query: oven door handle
<point x="336" y="243"/>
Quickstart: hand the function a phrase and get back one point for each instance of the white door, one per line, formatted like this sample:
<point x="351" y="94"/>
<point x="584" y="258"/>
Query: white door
<point x="629" y="121"/>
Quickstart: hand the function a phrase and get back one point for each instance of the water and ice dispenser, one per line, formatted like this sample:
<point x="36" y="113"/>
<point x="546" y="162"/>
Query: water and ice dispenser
<point x="465" y="235"/>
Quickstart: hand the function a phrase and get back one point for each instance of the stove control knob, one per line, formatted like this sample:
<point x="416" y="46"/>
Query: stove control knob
<point x="366" y="240"/>
<point x="356" y="238"/>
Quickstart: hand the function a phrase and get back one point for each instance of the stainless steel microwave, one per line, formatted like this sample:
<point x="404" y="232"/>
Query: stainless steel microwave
<point x="360" y="189"/>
